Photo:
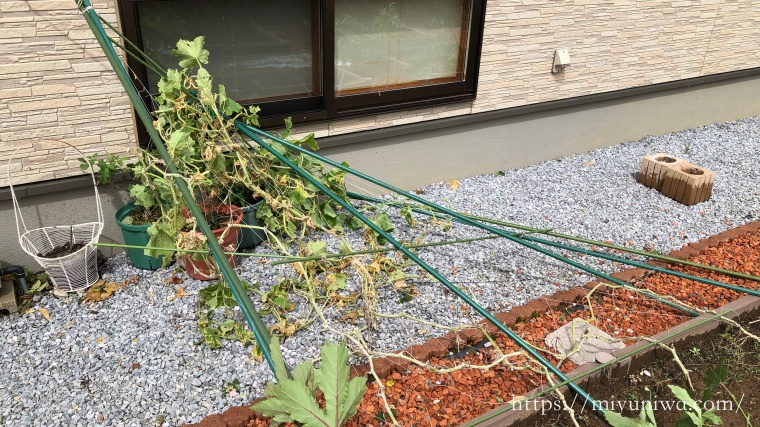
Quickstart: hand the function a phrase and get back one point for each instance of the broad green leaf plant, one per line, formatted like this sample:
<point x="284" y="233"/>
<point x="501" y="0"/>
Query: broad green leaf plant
<point x="294" y="399"/>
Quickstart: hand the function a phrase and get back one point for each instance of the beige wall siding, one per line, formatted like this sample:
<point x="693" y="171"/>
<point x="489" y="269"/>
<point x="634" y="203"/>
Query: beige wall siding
<point x="613" y="44"/>
<point x="55" y="82"/>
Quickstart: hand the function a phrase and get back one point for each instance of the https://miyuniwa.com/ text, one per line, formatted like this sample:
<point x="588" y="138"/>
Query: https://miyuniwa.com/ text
<point x="544" y="405"/>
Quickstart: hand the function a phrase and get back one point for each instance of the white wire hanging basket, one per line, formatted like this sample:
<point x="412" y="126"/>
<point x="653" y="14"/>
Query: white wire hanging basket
<point x="71" y="272"/>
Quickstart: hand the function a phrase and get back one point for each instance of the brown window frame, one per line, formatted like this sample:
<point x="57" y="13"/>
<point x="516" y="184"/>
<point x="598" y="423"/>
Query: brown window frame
<point x="329" y="105"/>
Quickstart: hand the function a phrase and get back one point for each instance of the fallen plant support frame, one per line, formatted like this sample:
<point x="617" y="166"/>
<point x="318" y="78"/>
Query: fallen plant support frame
<point x="252" y="317"/>
<point x="257" y="136"/>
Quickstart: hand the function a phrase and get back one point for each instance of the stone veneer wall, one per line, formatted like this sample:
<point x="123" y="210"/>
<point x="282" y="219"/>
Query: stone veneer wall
<point x="55" y="82"/>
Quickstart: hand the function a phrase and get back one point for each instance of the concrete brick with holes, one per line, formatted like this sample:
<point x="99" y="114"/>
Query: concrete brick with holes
<point x="677" y="178"/>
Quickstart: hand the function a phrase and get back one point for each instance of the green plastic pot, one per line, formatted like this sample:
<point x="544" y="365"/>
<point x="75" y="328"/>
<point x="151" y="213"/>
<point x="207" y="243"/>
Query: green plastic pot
<point x="250" y="237"/>
<point x="137" y="235"/>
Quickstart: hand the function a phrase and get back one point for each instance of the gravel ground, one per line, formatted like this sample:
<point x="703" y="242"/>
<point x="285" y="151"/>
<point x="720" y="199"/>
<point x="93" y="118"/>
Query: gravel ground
<point x="135" y="360"/>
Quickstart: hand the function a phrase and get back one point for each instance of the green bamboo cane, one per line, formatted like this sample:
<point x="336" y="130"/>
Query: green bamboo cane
<point x="291" y="259"/>
<point x="254" y="321"/>
<point x="254" y="134"/>
<point x="596" y="254"/>
<point x="579" y="239"/>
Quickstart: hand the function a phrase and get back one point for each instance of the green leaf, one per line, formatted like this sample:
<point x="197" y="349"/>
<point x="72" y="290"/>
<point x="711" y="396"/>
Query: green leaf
<point x="617" y="420"/>
<point x="252" y="116"/>
<point x="264" y="211"/>
<point x="712" y="418"/>
<point x="355" y="223"/>
<point x="304" y="373"/>
<point x="279" y="364"/>
<point x="308" y="141"/>
<point x="243" y="334"/>
<point x="328" y="211"/>
<point x="143" y="197"/>
<point x="341" y="397"/>
<point x="228" y="106"/>
<point x="180" y="144"/>
<point x="696" y="419"/>
<point x="384" y="222"/>
<point x="281" y="301"/>
<point x="290" y="228"/>
<point x="406" y="213"/>
<point x="211" y="338"/>
<point x="217" y="164"/>
<point x="288" y="127"/>
<point x="684" y="421"/>
<point x="163" y="187"/>
<point x="650" y="412"/>
<point x="301" y="197"/>
<point x="218" y="295"/>
<point x="205" y="91"/>
<point x="345" y="247"/>
<point x="356" y="389"/>
<point x="212" y="302"/>
<point x="405" y="296"/>
<point x="340" y="280"/>
<point x="161" y="238"/>
<point x="292" y="400"/>
<point x="317" y="248"/>
<point x="684" y="397"/>
<point x="712" y="379"/>
<point x="227" y="326"/>
<point x="170" y="86"/>
<point x="191" y="53"/>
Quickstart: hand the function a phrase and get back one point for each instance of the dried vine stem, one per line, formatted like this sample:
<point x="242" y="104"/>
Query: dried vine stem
<point x="677" y="359"/>
<point x="561" y="397"/>
<point x="404" y="315"/>
<point x="436" y="370"/>
<point x="362" y="347"/>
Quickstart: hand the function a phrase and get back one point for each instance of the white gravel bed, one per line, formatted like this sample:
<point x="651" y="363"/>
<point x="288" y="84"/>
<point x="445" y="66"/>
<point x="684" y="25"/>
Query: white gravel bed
<point x="135" y="359"/>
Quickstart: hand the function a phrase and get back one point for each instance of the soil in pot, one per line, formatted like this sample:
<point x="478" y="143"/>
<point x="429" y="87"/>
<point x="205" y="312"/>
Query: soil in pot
<point x="142" y="216"/>
<point x="63" y="250"/>
<point x="205" y="268"/>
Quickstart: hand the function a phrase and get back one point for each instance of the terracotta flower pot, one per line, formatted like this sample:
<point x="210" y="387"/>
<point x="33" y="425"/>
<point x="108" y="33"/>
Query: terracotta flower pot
<point x="206" y="268"/>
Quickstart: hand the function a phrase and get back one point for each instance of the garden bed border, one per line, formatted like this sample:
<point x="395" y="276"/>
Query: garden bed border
<point x="626" y="356"/>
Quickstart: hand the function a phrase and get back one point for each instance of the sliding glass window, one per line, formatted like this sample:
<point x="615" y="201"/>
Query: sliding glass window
<point x="318" y="60"/>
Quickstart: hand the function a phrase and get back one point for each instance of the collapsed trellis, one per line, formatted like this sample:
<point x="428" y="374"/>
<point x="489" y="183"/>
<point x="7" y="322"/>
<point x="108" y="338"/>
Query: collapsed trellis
<point x="257" y="136"/>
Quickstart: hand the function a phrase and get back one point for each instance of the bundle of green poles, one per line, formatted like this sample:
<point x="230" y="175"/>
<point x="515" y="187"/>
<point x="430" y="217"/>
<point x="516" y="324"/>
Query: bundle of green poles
<point x="257" y="136"/>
